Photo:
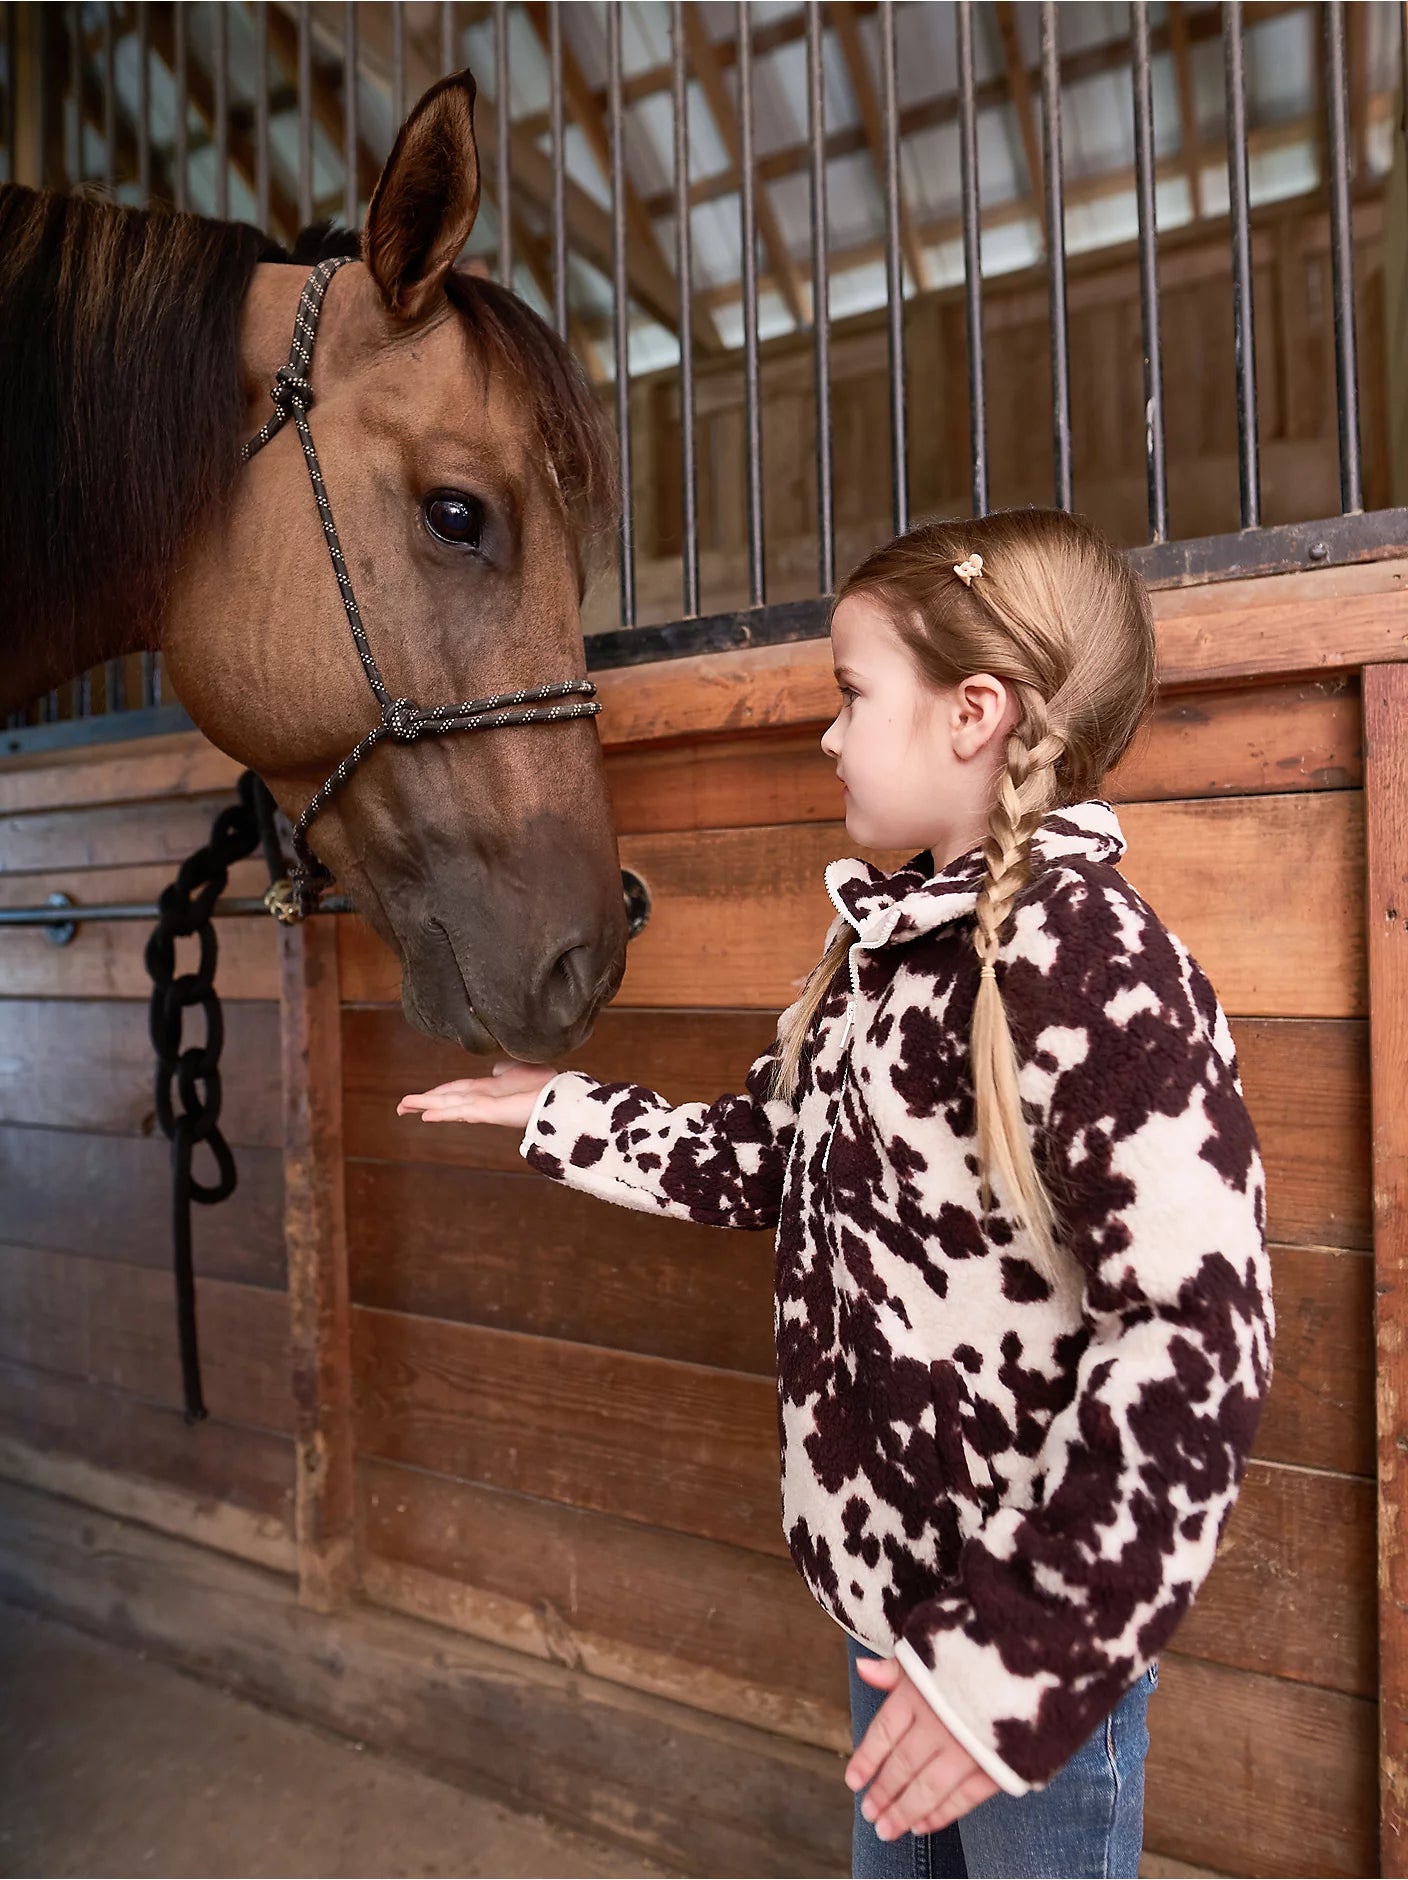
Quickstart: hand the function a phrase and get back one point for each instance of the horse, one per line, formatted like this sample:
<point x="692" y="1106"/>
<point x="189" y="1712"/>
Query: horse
<point x="469" y="468"/>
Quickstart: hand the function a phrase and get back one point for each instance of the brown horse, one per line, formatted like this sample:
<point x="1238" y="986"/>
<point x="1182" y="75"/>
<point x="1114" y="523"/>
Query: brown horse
<point x="467" y="466"/>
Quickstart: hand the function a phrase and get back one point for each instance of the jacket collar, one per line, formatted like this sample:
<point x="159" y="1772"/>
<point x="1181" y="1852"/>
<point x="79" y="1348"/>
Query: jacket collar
<point x="913" y="900"/>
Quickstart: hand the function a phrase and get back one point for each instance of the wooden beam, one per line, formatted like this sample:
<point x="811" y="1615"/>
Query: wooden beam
<point x="315" y="1233"/>
<point x="1386" y="821"/>
<point x="1188" y="142"/>
<point x="591" y="121"/>
<point x="1020" y="92"/>
<point x="1356" y="59"/>
<point x="846" y="21"/>
<point x="326" y="100"/>
<point x="709" y="72"/>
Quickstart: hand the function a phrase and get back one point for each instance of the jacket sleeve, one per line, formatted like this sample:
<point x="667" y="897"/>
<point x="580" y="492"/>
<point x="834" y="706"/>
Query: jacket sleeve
<point x="1154" y="1166"/>
<point x="721" y="1164"/>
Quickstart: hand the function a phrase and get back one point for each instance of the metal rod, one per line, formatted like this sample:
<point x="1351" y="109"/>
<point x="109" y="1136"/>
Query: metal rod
<point x="67" y="915"/>
<point x="1054" y="182"/>
<point x="620" y="309"/>
<point x="261" y="113"/>
<point x="1249" y="468"/>
<point x="752" y="401"/>
<point x="181" y="77"/>
<point x="683" y="273"/>
<point x="894" y="273"/>
<point x="109" y="100"/>
<point x="42" y="75"/>
<point x="504" y="103"/>
<point x="972" y="258"/>
<point x="144" y="102"/>
<point x="350" y="191"/>
<point x="1149" y="277"/>
<point x="305" y="115"/>
<point x="1342" y="262"/>
<point x="559" y="169"/>
<point x="221" y="63"/>
<point x="398" y="66"/>
<point x="821" y="317"/>
<point x="75" y="172"/>
<point x="448" y="46"/>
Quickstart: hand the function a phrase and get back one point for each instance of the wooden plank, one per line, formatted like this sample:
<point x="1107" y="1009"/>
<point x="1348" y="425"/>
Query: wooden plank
<point x="118" y="835"/>
<point x="104" y="959"/>
<point x="315" y="1230"/>
<point x="177" y="764"/>
<point x="1250" y="1774"/>
<point x="1292" y="1592"/>
<point x="1386" y="795"/>
<point x="1320" y="1411"/>
<point x="88" y="1064"/>
<point x="114" y="1324"/>
<point x="739" y="916"/>
<point x="672" y="1445"/>
<point x="523" y="1255"/>
<point x="696" y="1793"/>
<point x="228" y="1487"/>
<point x="110" y="1197"/>
<point x="1258" y="740"/>
<point x="729" y="1631"/>
<point x="1306" y="1083"/>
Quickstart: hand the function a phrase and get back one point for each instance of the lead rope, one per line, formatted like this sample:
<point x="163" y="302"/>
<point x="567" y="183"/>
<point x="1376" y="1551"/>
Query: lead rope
<point x="401" y="718"/>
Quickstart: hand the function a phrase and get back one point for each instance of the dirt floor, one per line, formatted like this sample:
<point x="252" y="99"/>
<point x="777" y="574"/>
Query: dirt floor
<point x="112" y="1763"/>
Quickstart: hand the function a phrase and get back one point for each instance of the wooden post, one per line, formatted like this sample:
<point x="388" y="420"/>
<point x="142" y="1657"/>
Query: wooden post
<point x="315" y="1227"/>
<point x="1386" y="815"/>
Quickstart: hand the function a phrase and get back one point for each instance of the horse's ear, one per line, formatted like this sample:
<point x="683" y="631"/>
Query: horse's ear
<point x="426" y="199"/>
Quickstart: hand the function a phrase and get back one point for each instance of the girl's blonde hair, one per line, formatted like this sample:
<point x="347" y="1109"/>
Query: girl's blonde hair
<point x="1059" y="616"/>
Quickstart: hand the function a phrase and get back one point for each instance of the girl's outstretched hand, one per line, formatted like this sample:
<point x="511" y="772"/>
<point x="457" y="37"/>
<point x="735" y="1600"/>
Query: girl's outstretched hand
<point x="917" y="1777"/>
<point x="506" y="1096"/>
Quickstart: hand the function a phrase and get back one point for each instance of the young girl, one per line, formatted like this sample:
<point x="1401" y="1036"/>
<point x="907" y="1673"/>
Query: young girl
<point x="1023" y="1304"/>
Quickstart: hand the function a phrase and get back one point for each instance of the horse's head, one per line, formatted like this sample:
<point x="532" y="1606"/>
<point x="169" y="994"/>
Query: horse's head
<point x="466" y="464"/>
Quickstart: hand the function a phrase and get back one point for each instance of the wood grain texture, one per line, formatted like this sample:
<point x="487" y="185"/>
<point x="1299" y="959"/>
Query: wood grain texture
<point x="110" y="1197"/>
<point x="112" y="835"/>
<point x="1386" y="798"/>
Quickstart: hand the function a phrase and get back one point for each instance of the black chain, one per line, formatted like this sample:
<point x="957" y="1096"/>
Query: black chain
<point x="184" y="909"/>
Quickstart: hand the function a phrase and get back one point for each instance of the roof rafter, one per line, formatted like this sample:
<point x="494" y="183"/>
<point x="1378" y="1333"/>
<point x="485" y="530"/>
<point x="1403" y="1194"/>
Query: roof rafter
<point x="1019" y="91"/>
<point x="844" y="19"/>
<point x="1188" y="139"/>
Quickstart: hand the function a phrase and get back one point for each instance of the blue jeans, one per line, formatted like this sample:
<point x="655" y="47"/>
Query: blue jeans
<point x="1088" y="1820"/>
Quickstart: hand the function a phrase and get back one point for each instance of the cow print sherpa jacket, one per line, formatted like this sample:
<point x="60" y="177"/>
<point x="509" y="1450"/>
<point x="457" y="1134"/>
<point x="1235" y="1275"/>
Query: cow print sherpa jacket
<point x="1014" y="1486"/>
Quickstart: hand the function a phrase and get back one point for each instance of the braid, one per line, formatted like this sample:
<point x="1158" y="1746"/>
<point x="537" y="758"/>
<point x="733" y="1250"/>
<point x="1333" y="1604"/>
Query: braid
<point x="1026" y="789"/>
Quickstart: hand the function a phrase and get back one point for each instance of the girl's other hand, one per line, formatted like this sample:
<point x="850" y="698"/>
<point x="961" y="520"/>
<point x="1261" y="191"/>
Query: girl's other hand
<point x="506" y="1096"/>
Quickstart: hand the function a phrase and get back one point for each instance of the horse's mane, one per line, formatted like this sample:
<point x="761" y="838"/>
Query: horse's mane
<point x="120" y="404"/>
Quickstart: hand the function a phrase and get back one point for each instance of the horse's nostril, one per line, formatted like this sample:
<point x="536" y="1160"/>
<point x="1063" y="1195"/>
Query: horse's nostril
<point x="568" y="981"/>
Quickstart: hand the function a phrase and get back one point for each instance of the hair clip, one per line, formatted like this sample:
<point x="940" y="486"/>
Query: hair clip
<point x="965" y="570"/>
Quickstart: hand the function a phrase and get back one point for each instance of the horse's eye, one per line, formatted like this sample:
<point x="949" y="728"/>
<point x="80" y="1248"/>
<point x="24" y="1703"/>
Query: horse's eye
<point x="456" y="519"/>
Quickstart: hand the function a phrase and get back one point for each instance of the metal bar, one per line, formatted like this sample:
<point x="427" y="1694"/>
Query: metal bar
<point x="144" y="102"/>
<point x="894" y="272"/>
<point x="220" y="61"/>
<point x="109" y="100"/>
<point x="1342" y="262"/>
<point x="690" y="491"/>
<point x="972" y="257"/>
<point x="448" y="46"/>
<point x="66" y="914"/>
<point x="261" y="113"/>
<point x="503" y="102"/>
<point x="1249" y="468"/>
<point x="73" y="49"/>
<point x="1055" y="188"/>
<point x="349" y="113"/>
<point x="620" y="309"/>
<point x="752" y="401"/>
<point x="181" y="77"/>
<point x="559" y="169"/>
<point x="398" y="66"/>
<point x="41" y="92"/>
<point x="1157" y="469"/>
<point x="305" y="115"/>
<point x="821" y="317"/>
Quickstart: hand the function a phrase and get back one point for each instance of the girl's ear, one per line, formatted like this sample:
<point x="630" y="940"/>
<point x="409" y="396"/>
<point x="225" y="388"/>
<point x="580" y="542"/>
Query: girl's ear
<point x="425" y="201"/>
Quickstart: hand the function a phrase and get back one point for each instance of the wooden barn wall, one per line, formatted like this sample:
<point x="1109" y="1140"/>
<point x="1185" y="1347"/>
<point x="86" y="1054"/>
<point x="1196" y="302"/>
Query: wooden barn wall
<point x="90" y="1388"/>
<point x="563" y="1430"/>
<point x="1297" y="428"/>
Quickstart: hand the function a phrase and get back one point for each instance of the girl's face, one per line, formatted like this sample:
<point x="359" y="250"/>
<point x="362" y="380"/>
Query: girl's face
<point x="919" y="766"/>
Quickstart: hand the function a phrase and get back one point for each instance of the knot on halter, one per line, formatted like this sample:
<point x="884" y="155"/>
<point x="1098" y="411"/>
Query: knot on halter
<point x="404" y="719"/>
<point x="289" y="392"/>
